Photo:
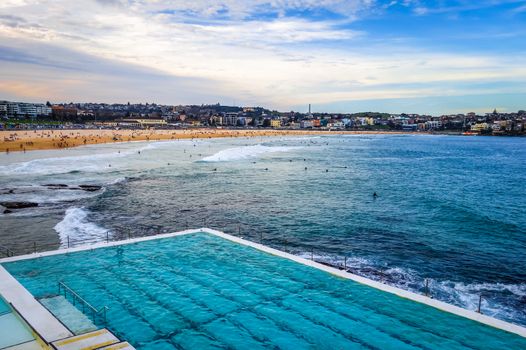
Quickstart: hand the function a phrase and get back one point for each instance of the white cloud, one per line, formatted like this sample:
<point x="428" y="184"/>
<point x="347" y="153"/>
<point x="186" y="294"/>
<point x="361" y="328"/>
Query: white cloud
<point x="279" y="62"/>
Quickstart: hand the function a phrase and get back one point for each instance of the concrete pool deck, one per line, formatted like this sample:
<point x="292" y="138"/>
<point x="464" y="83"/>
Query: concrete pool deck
<point x="51" y="329"/>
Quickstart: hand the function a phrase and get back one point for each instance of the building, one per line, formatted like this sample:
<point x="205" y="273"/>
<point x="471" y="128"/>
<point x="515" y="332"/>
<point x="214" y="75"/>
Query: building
<point x="43" y="110"/>
<point x="478" y="127"/>
<point x="306" y="124"/>
<point x="433" y="124"/>
<point x="336" y="125"/>
<point x="27" y="110"/>
<point x="3" y="109"/>
<point x="143" y="123"/>
<point x="409" y="127"/>
<point x="230" y="118"/>
<point x="64" y="112"/>
<point x="275" y="123"/>
<point x="12" y="109"/>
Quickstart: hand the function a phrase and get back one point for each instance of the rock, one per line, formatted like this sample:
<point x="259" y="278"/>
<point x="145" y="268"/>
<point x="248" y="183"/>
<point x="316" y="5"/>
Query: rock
<point x="56" y="185"/>
<point x="18" y="205"/>
<point x="90" y="188"/>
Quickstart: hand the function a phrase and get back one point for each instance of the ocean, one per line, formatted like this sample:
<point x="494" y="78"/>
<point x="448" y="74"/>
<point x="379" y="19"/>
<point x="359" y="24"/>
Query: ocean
<point x="449" y="209"/>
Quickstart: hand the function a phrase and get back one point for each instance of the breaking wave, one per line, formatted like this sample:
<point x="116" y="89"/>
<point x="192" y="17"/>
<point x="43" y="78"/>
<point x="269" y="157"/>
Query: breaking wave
<point x="61" y="165"/>
<point x="76" y="227"/>
<point x="43" y="195"/>
<point x="75" y="164"/>
<point x="500" y="300"/>
<point x="239" y="153"/>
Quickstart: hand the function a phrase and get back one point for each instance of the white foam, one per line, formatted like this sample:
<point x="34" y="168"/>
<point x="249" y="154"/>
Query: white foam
<point x="86" y="163"/>
<point x="239" y="153"/>
<point x="76" y="226"/>
<point x="43" y="195"/>
<point x="116" y="181"/>
<point x="62" y="165"/>
<point x="465" y="295"/>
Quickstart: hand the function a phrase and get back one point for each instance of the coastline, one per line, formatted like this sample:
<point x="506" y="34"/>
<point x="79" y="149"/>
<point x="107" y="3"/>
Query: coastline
<point x="30" y="140"/>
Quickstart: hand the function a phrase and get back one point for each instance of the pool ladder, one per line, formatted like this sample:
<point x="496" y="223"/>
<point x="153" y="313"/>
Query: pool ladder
<point x="64" y="289"/>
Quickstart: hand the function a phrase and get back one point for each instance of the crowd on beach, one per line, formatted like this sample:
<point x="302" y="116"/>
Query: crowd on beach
<point x="55" y="139"/>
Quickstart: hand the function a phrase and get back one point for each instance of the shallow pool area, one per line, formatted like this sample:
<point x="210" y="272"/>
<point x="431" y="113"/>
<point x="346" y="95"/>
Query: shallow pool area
<point x="199" y="291"/>
<point x="13" y="332"/>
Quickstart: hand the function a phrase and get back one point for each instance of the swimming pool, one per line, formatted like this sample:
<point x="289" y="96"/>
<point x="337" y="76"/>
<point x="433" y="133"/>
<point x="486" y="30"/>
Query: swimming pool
<point x="12" y="331"/>
<point x="199" y="291"/>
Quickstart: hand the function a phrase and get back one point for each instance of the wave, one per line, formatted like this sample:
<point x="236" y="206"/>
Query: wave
<point x="75" y="164"/>
<point x="500" y="300"/>
<point x="239" y="153"/>
<point x="62" y="165"/>
<point x="85" y="163"/>
<point x="117" y="181"/>
<point x="76" y="228"/>
<point x="45" y="195"/>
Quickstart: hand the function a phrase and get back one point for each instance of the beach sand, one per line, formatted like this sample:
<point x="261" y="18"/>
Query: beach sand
<point x="27" y="140"/>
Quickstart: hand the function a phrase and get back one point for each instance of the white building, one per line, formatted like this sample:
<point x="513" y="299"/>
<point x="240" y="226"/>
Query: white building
<point x="230" y="118"/>
<point x="12" y="109"/>
<point x="43" y="110"/>
<point x="3" y="109"/>
<point x="27" y="110"/>
<point x="433" y="124"/>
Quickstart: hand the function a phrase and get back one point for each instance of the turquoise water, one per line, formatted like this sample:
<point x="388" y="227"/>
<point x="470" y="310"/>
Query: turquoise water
<point x="3" y="307"/>
<point x="450" y="209"/>
<point x="202" y="292"/>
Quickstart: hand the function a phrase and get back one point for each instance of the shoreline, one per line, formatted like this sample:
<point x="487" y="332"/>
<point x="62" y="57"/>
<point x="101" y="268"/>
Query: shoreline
<point x="32" y="140"/>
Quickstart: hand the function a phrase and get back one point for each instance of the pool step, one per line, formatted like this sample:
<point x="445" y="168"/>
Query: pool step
<point x="68" y="314"/>
<point x="88" y="341"/>
<point x="119" y="346"/>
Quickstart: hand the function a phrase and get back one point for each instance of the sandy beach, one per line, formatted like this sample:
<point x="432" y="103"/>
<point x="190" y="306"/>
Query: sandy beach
<point x="28" y="140"/>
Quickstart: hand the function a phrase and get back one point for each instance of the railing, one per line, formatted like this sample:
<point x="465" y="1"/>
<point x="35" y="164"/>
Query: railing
<point x="95" y="313"/>
<point x="6" y="251"/>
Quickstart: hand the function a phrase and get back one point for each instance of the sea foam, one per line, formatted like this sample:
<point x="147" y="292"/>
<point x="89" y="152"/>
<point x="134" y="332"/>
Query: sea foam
<point x="239" y="153"/>
<point x="71" y="164"/>
<point x="77" y="227"/>
<point x="43" y="194"/>
<point x="499" y="299"/>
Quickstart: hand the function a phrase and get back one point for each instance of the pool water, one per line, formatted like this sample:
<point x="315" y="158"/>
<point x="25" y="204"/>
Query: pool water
<point x="12" y="331"/>
<point x="199" y="291"/>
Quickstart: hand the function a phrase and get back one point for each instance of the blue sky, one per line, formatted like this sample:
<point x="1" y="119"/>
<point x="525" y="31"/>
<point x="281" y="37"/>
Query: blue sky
<point x="409" y="56"/>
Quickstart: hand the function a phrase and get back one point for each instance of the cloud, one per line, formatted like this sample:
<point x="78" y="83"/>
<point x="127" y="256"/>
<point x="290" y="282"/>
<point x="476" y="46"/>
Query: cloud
<point x="55" y="73"/>
<point x="423" y="7"/>
<point x="278" y="53"/>
<point x="519" y="9"/>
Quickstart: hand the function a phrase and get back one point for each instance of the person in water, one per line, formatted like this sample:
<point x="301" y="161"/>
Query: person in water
<point x="375" y="195"/>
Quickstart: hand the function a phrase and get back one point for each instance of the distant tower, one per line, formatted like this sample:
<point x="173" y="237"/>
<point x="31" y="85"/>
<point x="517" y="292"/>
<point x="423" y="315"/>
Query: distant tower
<point x="309" y="108"/>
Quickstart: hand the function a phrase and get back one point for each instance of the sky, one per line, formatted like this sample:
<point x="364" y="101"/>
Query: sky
<point x="412" y="56"/>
